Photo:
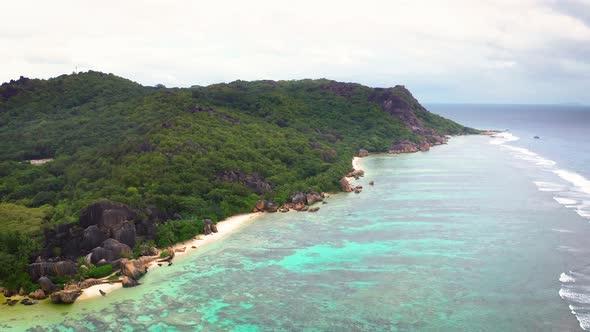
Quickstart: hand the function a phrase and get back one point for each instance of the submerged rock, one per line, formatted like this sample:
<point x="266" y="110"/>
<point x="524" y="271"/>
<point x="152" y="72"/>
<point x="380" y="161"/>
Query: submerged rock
<point x="26" y="301"/>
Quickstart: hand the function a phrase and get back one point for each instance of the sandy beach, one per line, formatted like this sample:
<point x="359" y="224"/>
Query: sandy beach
<point x="356" y="163"/>
<point x="224" y="228"/>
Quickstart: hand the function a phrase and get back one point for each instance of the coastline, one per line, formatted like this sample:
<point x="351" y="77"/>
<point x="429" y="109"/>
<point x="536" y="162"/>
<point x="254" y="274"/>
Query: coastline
<point x="224" y="228"/>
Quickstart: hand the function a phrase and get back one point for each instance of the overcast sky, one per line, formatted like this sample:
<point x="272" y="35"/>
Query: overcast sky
<point x="520" y="51"/>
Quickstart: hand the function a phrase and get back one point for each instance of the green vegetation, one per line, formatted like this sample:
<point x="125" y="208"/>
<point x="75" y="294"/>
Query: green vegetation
<point x="111" y="138"/>
<point x="164" y="254"/>
<point x="100" y="271"/>
<point x="178" y="231"/>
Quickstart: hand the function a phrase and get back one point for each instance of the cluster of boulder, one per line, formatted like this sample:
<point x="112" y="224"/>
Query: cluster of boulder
<point x="106" y="233"/>
<point x="409" y="147"/>
<point x="209" y="227"/>
<point x="299" y="202"/>
<point x="100" y="221"/>
<point x="347" y="186"/>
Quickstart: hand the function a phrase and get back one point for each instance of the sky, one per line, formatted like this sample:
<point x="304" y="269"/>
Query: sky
<point x="462" y="51"/>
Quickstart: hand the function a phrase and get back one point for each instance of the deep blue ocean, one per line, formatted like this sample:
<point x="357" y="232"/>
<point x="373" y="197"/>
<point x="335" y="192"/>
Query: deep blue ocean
<point x="562" y="148"/>
<point x="481" y="234"/>
<point x="564" y="131"/>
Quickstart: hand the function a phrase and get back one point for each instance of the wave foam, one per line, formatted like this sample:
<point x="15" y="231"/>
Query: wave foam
<point x="503" y="137"/>
<point x="564" y="277"/>
<point x="561" y="230"/>
<point x="578" y="181"/>
<point x="574" y="192"/>
<point x="569" y="294"/>
<point x="549" y="186"/>
<point x="565" y="201"/>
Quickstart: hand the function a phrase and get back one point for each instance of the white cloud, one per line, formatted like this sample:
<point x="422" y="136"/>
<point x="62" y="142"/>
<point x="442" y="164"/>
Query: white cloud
<point x="457" y="50"/>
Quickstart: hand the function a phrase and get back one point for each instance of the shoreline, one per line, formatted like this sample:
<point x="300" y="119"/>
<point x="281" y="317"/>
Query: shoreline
<point x="224" y="227"/>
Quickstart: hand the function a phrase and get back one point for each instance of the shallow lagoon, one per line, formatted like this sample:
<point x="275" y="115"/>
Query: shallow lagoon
<point x="457" y="238"/>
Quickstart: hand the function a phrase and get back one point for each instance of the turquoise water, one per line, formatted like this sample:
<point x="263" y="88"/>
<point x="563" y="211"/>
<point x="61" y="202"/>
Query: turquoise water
<point x="455" y="239"/>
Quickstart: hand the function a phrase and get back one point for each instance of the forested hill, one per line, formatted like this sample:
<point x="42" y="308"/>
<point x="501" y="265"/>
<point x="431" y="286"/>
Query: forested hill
<point x="199" y="152"/>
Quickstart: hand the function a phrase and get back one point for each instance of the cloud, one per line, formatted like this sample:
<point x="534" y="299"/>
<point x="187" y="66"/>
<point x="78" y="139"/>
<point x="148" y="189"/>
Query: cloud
<point x="457" y="50"/>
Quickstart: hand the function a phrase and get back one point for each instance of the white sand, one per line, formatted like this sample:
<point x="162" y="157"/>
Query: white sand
<point x="93" y="291"/>
<point x="224" y="228"/>
<point x="356" y="163"/>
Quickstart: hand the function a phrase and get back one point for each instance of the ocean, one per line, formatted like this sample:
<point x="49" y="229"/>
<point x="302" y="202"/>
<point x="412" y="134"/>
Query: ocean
<point x="481" y="234"/>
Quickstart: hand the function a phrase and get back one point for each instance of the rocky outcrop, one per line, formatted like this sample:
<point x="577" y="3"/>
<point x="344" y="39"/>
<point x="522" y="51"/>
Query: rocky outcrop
<point x="265" y="206"/>
<point x="99" y="253"/>
<point x="313" y="198"/>
<point x="133" y="268"/>
<point x="98" y="221"/>
<point x="329" y="155"/>
<point x="39" y="294"/>
<point x="47" y="285"/>
<point x="392" y="103"/>
<point x="92" y="237"/>
<point x="424" y="146"/>
<point x="346" y="187"/>
<point x="213" y="112"/>
<point x="114" y="219"/>
<point x="346" y="90"/>
<point x="105" y="214"/>
<point x="128" y="282"/>
<point x="403" y="147"/>
<point x="306" y="198"/>
<point x="208" y="226"/>
<point x="90" y="282"/>
<point x="363" y="153"/>
<point x="356" y="174"/>
<point x="111" y="250"/>
<point x="66" y="296"/>
<point x="26" y="301"/>
<point x="62" y="268"/>
<point x="253" y="181"/>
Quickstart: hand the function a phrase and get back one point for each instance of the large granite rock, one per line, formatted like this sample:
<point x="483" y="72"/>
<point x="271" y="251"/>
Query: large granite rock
<point x="207" y="226"/>
<point x="128" y="282"/>
<point x="125" y="233"/>
<point x="105" y="214"/>
<point x="346" y="187"/>
<point x="62" y="268"/>
<point x="92" y="237"/>
<point x="39" y="294"/>
<point x="363" y="153"/>
<point x="253" y="181"/>
<point x="100" y="253"/>
<point x="306" y="198"/>
<point x="114" y="219"/>
<point x="403" y="147"/>
<point x="47" y="285"/>
<point x="265" y="206"/>
<point x="299" y="198"/>
<point x="119" y="249"/>
<point x="313" y="198"/>
<point x="66" y="296"/>
<point x="133" y="268"/>
<point x="89" y="283"/>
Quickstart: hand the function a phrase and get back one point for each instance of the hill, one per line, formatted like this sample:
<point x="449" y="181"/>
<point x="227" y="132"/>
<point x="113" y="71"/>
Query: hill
<point x="192" y="153"/>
